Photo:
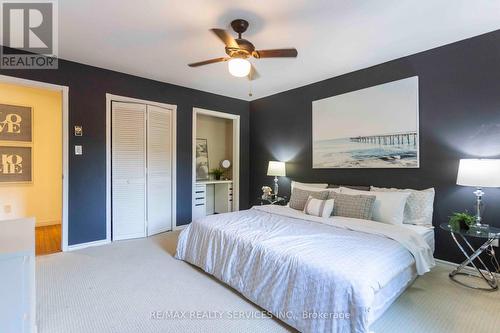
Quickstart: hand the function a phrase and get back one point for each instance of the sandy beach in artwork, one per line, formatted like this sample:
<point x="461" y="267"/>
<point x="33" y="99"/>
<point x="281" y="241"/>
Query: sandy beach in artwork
<point x="343" y="153"/>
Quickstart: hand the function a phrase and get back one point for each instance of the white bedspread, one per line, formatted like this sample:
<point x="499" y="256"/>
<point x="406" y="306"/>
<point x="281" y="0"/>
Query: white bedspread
<point x="316" y="274"/>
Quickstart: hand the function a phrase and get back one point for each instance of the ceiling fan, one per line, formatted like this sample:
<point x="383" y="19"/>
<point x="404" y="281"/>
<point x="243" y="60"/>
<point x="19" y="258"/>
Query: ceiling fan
<point x="240" y="49"/>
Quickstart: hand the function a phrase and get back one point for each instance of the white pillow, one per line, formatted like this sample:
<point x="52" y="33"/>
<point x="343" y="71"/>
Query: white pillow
<point x="419" y="207"/>
<point x="308" y="186"/>
<point x="388" y="207"/>
<point x="317" y="207"/>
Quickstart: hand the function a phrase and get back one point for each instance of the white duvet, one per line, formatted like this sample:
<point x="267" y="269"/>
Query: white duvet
<point x="316" y="274"/>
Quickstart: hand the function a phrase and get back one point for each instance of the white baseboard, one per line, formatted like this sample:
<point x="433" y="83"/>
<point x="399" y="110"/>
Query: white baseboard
<point x="466" y="268"/>
<point x="84" y="245"/>
<point x="180" y="227"/>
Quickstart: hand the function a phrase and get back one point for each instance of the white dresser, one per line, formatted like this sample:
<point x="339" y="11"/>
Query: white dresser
<point x="17" y="276"/>
<point x="212" y="197"/>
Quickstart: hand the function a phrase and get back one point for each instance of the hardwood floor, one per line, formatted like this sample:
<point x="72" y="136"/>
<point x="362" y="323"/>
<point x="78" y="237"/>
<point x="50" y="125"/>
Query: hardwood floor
<point x="48" y="239"/>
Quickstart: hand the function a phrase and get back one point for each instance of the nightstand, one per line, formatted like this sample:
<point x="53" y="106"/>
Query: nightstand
<point x="488" y="235"/>
<point x="281" y="201"/>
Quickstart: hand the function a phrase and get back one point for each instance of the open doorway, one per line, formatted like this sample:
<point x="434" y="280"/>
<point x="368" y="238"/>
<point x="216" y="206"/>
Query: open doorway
<point x="216" y="155"/>
<point x="32" y="159"/>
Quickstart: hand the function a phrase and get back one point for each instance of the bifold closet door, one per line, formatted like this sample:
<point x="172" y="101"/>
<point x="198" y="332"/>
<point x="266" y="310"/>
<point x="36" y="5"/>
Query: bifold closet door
<point x="128" y="170"/>
<point x="159" y="163"/>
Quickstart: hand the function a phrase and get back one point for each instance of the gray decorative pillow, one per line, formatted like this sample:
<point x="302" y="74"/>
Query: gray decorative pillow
<point x="299" y="197"/>
<point x="358" y="206"/>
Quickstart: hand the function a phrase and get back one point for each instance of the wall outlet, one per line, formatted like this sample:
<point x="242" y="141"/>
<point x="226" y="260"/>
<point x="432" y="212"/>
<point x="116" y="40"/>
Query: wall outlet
<point x="78" y="150"/>
<point x="495" y="243"/>
<point x="7" y="209"/>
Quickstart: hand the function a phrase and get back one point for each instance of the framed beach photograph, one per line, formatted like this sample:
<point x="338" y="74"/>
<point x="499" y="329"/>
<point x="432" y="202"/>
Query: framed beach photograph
<point x="376" y="127"/>
<point x="202" y="168"/>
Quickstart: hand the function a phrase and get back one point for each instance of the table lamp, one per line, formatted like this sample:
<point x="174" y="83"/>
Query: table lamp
<point x="479" y="173"/>
<point x="276" y="169"/>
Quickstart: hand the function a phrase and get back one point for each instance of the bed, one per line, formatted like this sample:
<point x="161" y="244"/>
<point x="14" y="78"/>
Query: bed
<point x="316" y="274"/>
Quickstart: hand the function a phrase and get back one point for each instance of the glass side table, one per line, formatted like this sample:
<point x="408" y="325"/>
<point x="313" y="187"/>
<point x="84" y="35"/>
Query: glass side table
<point x="273" y="201"/>
<point x="488" y="234"/>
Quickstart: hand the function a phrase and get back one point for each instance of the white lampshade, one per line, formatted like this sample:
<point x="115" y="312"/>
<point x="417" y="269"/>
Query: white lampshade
<point x="239" y="67"/>
<point x="479" y="172"/>
<point x="276" y="169"/>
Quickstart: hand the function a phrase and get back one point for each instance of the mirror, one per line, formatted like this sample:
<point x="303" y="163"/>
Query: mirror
<point x="225" y="164"/>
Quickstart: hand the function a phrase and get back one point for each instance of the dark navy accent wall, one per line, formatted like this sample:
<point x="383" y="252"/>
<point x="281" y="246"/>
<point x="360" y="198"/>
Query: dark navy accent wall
<point x="87" y="107"/>
<point x="459" y="98"/>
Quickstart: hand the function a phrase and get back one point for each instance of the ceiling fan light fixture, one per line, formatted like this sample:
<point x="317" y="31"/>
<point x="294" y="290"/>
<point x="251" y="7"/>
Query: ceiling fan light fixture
<point x="239" y="67"/>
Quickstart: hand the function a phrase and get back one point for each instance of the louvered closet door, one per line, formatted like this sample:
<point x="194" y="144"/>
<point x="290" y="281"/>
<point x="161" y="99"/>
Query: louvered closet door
<point x="159" y="170"/>
<point x="128" y="170"/>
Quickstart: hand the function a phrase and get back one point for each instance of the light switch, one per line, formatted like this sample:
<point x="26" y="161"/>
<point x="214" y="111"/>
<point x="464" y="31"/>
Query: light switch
<point x="78" y="150"/>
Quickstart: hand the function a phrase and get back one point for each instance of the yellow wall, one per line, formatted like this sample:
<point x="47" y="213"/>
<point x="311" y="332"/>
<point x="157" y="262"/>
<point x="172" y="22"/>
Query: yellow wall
<point x="219" y="135"/>
<point x="43" y="197"/>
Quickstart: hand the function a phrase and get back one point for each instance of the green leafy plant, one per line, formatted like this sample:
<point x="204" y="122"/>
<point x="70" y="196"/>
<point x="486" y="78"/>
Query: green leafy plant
<point x="217" y="173"/>
<point x="461" y="220"/>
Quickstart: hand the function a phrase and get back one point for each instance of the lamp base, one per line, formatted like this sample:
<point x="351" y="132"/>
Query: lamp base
<point x="479" y="200"/>
<point x="276" y="187"/>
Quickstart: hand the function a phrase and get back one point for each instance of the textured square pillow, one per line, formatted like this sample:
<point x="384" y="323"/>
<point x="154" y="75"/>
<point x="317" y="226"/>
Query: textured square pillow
<point x="355" y="206"/>
<point x="320" y="208"/>
<point x="419" y="206"/>
<point x="388" y="207"/>
<point x="299" y="197"/>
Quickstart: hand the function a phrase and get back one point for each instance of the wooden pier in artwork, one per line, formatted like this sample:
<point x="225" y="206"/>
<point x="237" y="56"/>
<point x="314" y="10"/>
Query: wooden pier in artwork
<point x="408" y="138"/>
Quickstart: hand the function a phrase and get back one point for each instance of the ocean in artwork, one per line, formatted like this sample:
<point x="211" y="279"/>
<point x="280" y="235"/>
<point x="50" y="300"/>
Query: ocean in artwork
<point x="387" y="151"/>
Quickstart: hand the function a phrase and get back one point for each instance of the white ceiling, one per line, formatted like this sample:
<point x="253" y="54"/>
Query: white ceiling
<point x="156" y="39"/>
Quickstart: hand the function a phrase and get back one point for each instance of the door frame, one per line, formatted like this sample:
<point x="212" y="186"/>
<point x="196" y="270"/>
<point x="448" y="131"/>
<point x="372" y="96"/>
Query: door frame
<point x="236" y="151"/>
<point x="117" y="98"/>
<point x="65" y="143"/>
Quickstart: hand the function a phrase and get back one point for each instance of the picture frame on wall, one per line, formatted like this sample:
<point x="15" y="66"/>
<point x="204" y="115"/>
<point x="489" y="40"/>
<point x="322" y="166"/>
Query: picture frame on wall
<point x="375" y="127"/>
<point x="202" y="165"/>
<point x="16" y="123"/>
<point x="16" y="164"/>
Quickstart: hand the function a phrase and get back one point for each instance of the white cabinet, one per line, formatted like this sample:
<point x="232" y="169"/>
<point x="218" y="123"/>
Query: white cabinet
<point x="212" y="197"/>
<point x="199" y="201"/>
<point x="223" y="198"/>
<point x="17" y="276"/>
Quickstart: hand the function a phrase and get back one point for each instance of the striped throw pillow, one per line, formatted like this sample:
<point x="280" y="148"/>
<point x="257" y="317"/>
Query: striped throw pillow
<point x="317" y="207"/>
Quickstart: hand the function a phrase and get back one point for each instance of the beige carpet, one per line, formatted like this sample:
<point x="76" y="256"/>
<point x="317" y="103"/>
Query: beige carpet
<point x="117" y="287"/>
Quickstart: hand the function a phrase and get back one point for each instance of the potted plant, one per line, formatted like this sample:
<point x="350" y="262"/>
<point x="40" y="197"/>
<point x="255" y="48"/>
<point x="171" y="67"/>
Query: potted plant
<point x="461" y="221"/>
<point x="217" y="173"/>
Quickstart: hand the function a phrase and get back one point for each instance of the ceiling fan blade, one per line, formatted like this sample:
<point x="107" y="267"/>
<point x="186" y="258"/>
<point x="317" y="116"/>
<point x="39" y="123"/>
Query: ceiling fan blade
<point x="253" y="75"/>
<point x="206" y="62"/>
<point x="225" y="37"/>
<point x="278" y="53"/>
